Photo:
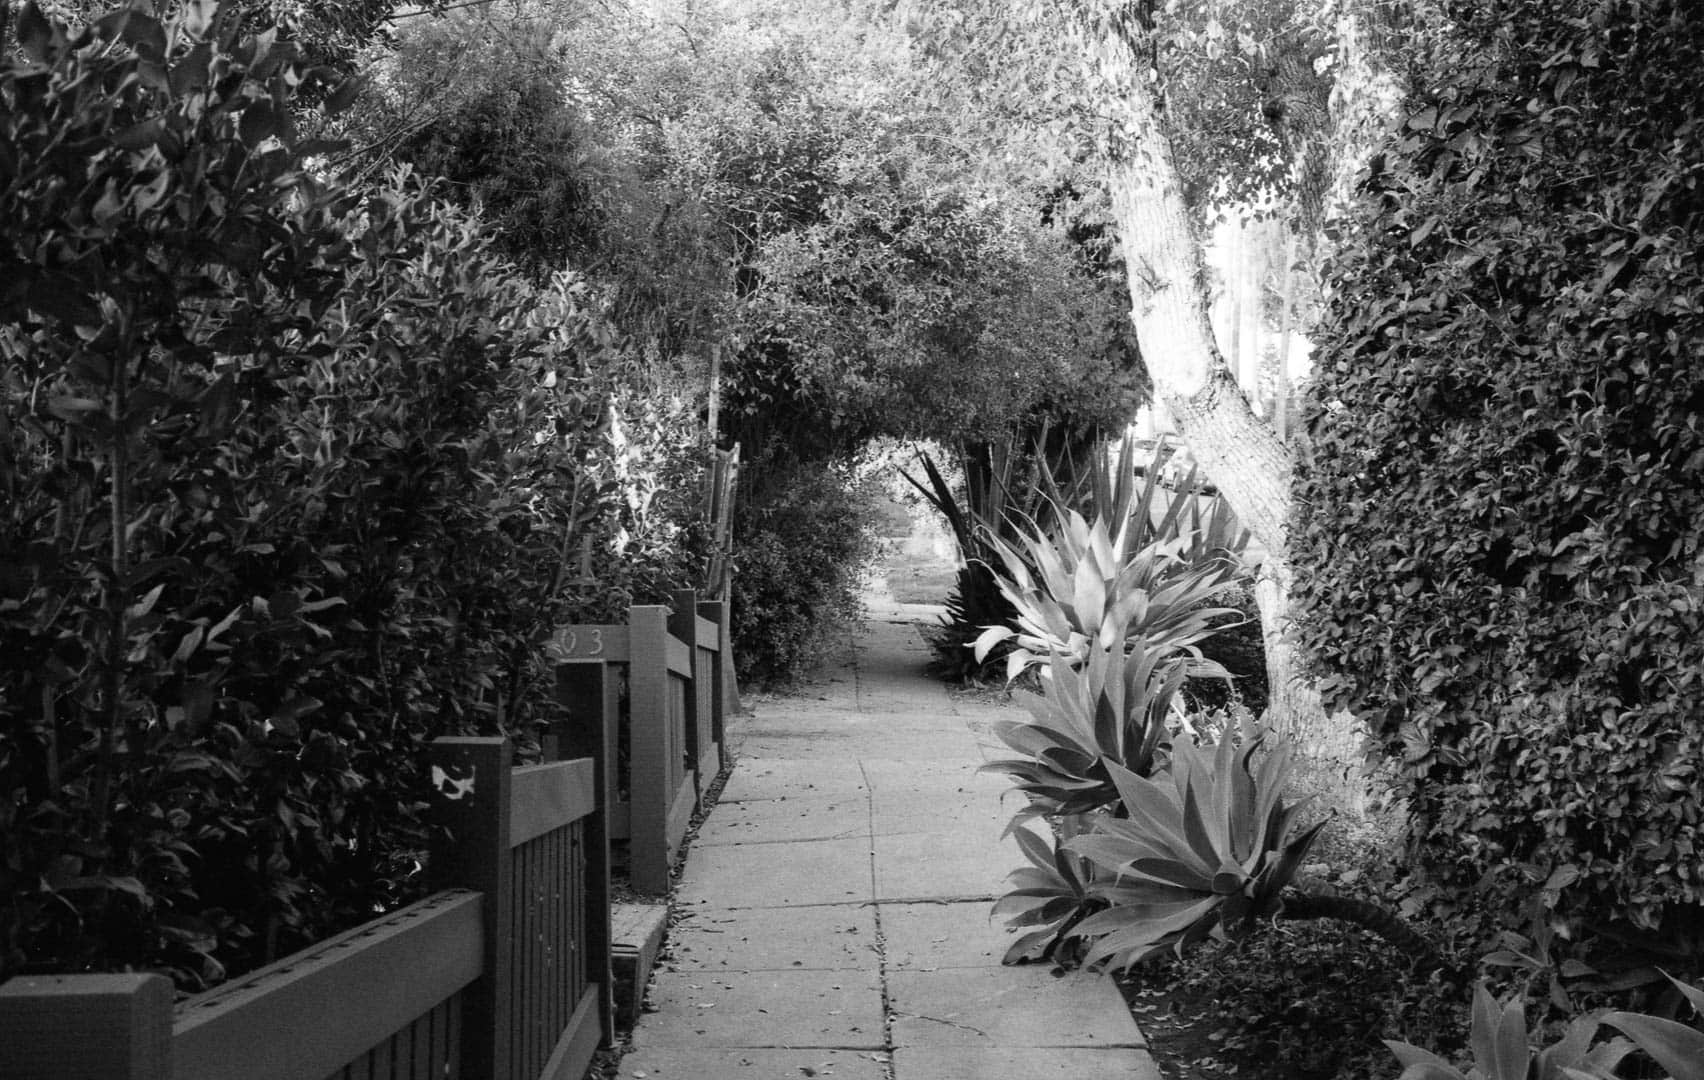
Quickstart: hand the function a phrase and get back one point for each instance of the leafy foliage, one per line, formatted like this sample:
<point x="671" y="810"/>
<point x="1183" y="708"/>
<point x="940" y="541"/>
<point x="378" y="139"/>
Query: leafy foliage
<point x="1501" y="512"/>
<point x="294" y="473"/>
<point x="481" y="102"/>
<point x="1501" y="1050"/>
<point x="804" y="539"/>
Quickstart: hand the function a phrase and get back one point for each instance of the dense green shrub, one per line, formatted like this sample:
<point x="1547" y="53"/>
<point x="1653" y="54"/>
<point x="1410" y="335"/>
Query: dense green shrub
<point x="804" y="538"/>
<point x="1501" y="517"/>
<point x="483" y="104"/>
<point x="290" y="471"/>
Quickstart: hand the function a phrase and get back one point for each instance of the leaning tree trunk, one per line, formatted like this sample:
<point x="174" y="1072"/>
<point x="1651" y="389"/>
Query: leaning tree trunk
<point x="1236" y="449"/>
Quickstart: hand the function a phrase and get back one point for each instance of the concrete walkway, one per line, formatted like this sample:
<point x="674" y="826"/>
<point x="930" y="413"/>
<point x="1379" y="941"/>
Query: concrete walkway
<point x="834" y="910"/>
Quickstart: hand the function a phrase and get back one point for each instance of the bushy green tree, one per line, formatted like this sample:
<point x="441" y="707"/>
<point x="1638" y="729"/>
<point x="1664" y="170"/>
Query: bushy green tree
<point x="296" y="476"/>
<point x="1502" y="507"/>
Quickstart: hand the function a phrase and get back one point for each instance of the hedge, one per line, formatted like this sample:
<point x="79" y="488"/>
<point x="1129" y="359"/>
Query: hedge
<point x="288" y="470"/>
<point x="1500" y="518"/>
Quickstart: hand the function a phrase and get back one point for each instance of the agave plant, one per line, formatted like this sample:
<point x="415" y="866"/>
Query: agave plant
<point x="1119" y="707"/>
<point x="1150" y="510"/>
<point x="1050" y="896"/>
<point x="976" y="600"/>
<point x="1206" y="849"/>
<point x="1501" y="1052"/>
<point x="1676" y="1047"/>
<point x="1087" y="591"/>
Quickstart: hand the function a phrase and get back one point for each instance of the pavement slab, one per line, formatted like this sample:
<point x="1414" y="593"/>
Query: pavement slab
<point x="832" y="938"/>
<point x="752" y="1064"/>
<point x="1022" y="1063"/>
<point x="777" y="875"/>
<point x="929" y="865"/>
<point x="833" y="915"/>
<point x="781" y="778"/>
<point x="1027" y="1005"/>
<point x="930" y="937"/>
<point x="802" y="817"/>
<point x="780" y="1009"/>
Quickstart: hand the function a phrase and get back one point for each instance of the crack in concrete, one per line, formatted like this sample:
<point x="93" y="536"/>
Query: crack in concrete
<point x="939" y="1020"/>
<point x="881" y="936"/>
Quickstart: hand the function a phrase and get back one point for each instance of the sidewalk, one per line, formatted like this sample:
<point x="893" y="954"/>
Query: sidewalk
<point x="834" y="910"/>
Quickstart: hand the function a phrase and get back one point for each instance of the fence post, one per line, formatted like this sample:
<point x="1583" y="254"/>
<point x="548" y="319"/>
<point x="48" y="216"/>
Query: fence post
<point x="721" y="676"/>
<point x="651" y="749"/>
<point x="593" y="699"/>
<point x="470" y="797"/>
<point x="683" y="624"/>
<point x="66" y="1027"/>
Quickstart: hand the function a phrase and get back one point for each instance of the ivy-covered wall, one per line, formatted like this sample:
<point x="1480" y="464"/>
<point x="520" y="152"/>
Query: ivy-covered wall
<point x="1500" y="519"/>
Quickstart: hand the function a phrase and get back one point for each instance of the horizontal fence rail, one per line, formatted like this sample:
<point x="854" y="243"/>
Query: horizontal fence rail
<point x="502" y="974"/>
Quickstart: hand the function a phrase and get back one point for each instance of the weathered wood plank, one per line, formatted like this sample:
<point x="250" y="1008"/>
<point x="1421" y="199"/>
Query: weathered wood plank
<point x="376" y="1062"/>
<point x="525" y="962"/>
<point x="709" y="635"/>
<point x="312" y="1013"/>
<point x="677" y="656"/>
<point x="573" y="1052"/>
<point x="719" y="677"/>
<point x="680" y="813"/>
<point x="548" y="796"/>
<point x="605" y="642"/>
<point x="116" y="1027"/>
<point x="470" y="797"/>
<point x="653" y="752"/>
<point x="420" y="1063"/>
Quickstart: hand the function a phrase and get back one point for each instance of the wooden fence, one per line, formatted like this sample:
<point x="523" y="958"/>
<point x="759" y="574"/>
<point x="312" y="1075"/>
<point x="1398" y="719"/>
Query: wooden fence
<point x="501" y="974"/>
<point x="678" y="675"/>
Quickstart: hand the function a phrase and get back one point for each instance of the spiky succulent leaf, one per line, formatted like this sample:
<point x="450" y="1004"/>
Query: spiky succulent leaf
<point x="1210" y="838"/>
<point x="1418" y="1064"/>
<point x="1052" y="894"/>
<point x="1675" y="1046"/>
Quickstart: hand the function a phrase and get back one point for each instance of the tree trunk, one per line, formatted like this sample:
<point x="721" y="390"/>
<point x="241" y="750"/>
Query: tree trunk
<point x="1237" y="450"/>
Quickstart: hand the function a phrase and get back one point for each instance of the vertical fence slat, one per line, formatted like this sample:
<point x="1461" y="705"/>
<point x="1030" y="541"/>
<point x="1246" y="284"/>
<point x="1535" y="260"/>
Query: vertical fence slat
<point x="538" y="944"/>
<point x="573" y="959"/>
<point x="380" y="1058"/>
<point x="440" y="1052"/>
<point x="652" y="755"/>
<point x="519" y="975"/>
<point x="455" y="1028"/>
<point x="591" y="697"/>
<point x="517" y="971"/>
<point x="420" y="1053"/>
<point x="554" y="986"/>
<point x="470" y="796"/>
<point x="683" y="624"/>
<point x="727" y="684"/>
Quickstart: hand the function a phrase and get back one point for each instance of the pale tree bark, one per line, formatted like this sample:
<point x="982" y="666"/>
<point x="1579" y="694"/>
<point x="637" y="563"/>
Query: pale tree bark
<point x="1236" y="449"/>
